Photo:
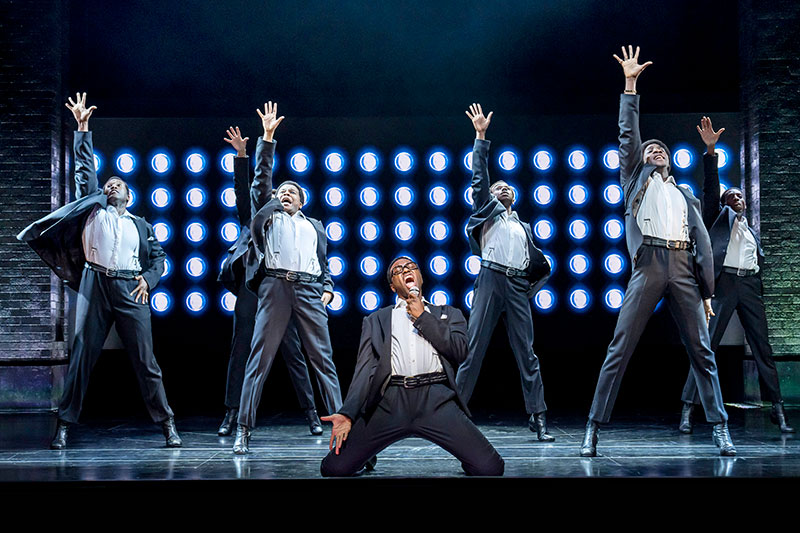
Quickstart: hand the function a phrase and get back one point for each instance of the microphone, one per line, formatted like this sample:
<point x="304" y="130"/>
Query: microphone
<point x="414" y="290"/>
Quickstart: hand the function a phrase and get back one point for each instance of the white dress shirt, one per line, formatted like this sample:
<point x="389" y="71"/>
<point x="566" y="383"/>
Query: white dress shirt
<point x="412" y="354"/>
<point x="111" y="240"/>
<point x="292" y="244"/>
<point x="742" y="250"/>
<point x="503" y="241"/>
<point x="663" y="212"/>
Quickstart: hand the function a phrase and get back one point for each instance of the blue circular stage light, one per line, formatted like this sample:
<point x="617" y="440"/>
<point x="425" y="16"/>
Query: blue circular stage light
<point x="466" y="160"/>
<point x="612" y="194"/>
<point x="370" y="266"/>
<point x="440" y="297"/>
<point x="439" y="265"/>
<point x="439" y="230"/>
<point x="542" y="160"/>
<point x="160" y="163"/>
<point x="404" y="161"/>
<point x="468" y="297"/>
<point x="544" y="229"/>
<point x="126" y="163"/>
<point x="228" y="197"/>
<point x="160" y="197"/>
<point x="682" y="158"/>
<point x="196" y="232"/>
<point x="579" y="263"/>
<point x="438" y="161"/>
<point x="369" y="161"/>
<point x="578" y="160"/>
<point x="163" y="231"/>
<point x="167" y="268"/>
<point x="580" y="299"/>
<point x="160" y="302"/>
<point x="508" y="160"/>
<point x="611" y="159"/>
<point x="337" y="303"/>
<point x="543" y="195"/>
<point x="196" y="267"/>
<point x="404" y="196"/>
<point x="335" y="231"/>
<point x="227" y="302"/>
<point x="334" y="161"/>
<point x="196" y="301"/>
<point x="369" y="196"/>
<point x="336" y="265"/>
<point x="226" y="161"/>
<point x="551" y="260"/>
<point x="613" y="228"/>
<point x="579" y="229"/>
<point x="307" y="196"/>
<point x="545" y="300"/>
<point x="370" y="300"/>
<point x="439" y="195"/>
<point x="334" y="196"/>
<point x="722" y="157"/>
<point x="578" y="194"/>
<point x="132" y="196"/>
<point x="404" y="230"/>
<point x="98" y="161"/>
<point x="472" y="265"/>
<point x="468" y="196"/>
<point x="516" y="195"/>
<point x="614" y="263"/>
<point x="229" y="231"/>
<point x="195" y="162"/>
<point x="369" y="231"/>
<point x="613" y="298"/>
<point x="300" y="162"/>
<point x="196" y="197"/>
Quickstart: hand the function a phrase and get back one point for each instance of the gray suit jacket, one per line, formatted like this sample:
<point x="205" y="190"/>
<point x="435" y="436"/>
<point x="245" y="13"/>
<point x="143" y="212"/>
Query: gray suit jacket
<point x="232" y="272"/>
<point x="57" y="238"/>
<point x="444" y="327"/>
<point x="634" y="177"/>
<point x="485" y="206"/>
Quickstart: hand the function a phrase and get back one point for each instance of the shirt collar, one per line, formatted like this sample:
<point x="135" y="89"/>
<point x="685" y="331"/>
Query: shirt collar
<point x="402" y="303"/>
<point x="125" y="214"/>
<point x="669" y="179"/>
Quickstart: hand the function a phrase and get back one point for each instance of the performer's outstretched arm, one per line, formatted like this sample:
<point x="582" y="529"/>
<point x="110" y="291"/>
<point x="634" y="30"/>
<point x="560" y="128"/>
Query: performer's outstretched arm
<point x="711" y="207"/>
<point x="85" y="174"/>
<point x="261" y="190"/>
<point x="241" y="174"/>
<point x="630" y="139"/>
<point x="480" y="156"/>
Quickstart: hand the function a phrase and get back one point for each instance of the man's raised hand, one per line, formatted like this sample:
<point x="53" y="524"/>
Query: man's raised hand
<point x="79" y="111"/>
<point x="235" y="139"/>
<point x="707" y="133"/>
<point x="630" y="62"/>
<point x="269" y="119"/>
<point x="479" y="122"/>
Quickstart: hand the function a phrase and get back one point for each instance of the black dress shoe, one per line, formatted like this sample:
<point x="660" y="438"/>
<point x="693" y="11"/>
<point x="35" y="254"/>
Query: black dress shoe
<point x="722" y="438"/>
<point x="538" y="424"/>
<point x="228" y="423"/>
<point x="171" y="433"/>
<point x="241" y="445"/>
<point x="589" y="445"/>
<point x="59" y="441"/>
<point x="686" y="418"/>
<point x="370" y="465"/>
<point x="314" y="423"/>
<point x="778" y="417"/>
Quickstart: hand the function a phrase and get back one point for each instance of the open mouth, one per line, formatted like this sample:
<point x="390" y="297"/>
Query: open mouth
<point x="409" y="280"/>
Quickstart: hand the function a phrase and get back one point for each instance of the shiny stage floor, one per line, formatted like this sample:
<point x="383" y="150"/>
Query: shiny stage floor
<point x="282" y="449"/>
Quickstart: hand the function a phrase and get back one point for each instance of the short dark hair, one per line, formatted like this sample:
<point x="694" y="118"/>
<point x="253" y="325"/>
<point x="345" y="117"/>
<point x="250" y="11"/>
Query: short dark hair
<point x="723" y="199"/>
<point x="127" y="188"/>
<point x="393" y="261"/>
<point x="299" y="189"/>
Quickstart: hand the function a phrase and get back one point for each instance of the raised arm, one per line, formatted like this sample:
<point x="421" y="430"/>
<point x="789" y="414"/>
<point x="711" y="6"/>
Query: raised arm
<point x="630" y="139"/>
<point x="711" y="207"/>
<point x="241" y="174"/>
<point x="480" y="156"/>
<point x="85" y="173"/>
<point x="261" y="190"/>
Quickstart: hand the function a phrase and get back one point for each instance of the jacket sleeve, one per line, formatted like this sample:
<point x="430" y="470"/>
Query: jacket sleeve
<point x="366" y="365"/>
<point x="711" y="206"/>
<point x="261" y="189"/>
<point x="480" y="174"/>
<point x="85" y="173"/>
<point x="448" y="336"/>
<point x="153" y="274"/>
<point x="241" y="186"/>
<point x="630" y="139"/>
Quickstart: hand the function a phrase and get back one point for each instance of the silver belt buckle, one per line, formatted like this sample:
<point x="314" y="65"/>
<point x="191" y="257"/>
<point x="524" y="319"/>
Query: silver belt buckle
<point x="741" y="272"/>
<point x="672" y="245"/>
<point x="408" y="381"/>
<point x="292" y="275"/>
<point x="111" y="272"/>
<point x="510" y="272"/>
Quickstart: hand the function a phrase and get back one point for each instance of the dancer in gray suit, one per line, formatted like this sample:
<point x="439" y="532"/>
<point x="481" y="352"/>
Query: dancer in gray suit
<point x="512" y="269"/>
<point x="287" y="266"/>
<point x="671" y="255"/>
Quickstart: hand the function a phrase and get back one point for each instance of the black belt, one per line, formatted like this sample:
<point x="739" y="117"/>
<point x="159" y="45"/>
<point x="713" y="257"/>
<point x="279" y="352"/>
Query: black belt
<point x="511" y="272"/>
<point x="291" y="275"/>
<point x="664" y="243"/>
<point x="741" y="272"/>
<point x="412" y="382"/>
<point x="113" y="272"/>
